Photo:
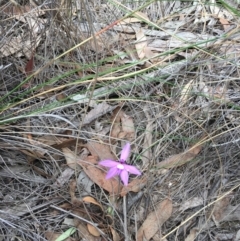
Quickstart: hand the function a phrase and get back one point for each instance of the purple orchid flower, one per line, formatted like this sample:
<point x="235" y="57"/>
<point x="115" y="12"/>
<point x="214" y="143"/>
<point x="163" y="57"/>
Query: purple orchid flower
<point x="120" y="168"/>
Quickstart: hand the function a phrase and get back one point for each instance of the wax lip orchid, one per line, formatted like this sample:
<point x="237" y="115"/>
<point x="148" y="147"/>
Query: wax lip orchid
<point x="119" y="167"/>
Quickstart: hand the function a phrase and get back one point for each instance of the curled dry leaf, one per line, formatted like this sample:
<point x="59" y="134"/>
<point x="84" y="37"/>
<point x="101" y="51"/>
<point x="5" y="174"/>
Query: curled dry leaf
<point x="155" y="220"/>
<point x="70" y="158"/>
<point x="219" y="208"/>
<point x="64" y="177"/>
<point x="225" y="23"/>
<point x="192" y="203"/>
<point x="84" y="233"/>
<point x="92" y="230"/>
<point x="115" y="235"/>
<point x="123" y="126"/>
<point x="99" y="110"/>
<point x="100" y="149"/>
<point x="135" y="186"/>
<point x="89" y="199"/>
<point x="181" y="158"/>
<point x="116" y="126"/>
<point x="185" y="93"/>
<point x="192" y="235"/>
<point x="72" y="188"/>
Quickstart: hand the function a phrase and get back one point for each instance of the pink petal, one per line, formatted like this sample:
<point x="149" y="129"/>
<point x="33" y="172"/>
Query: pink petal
<point x="124" y="177"/>
<point x="112" y="172"/>
<point x="125" y="152"/>
<point x="108" y="163"/>
<point x="131" y="169"/>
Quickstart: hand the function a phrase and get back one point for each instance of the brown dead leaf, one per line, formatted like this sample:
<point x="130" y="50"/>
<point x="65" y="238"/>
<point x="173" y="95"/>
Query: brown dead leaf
<point x="192" y="203"/>
<point x="70" y="158"/>
<point x="115" y="235"/>
<point x="100" y="149"/>
<point x="141" y="43"/>
<point x="89" y="199"/>
<point x="149" y="53"/>
<point x="20" y="12"/>
<point x="64" y="177"/>
<point x="116" y="126"/>
<point x="128" y="130"/>
<point x="155" y="220"/>
<point x="181" y="158"/>
<point x="123" y="126"/>
<point x="29" y="66"/>
<point x="94" y="172"/>
<point x="100" y="110"/>
<point x="185" y="93"/>
<point x="84" y="233"/>
<point x="135" y="186"/>
<point x="192" y="235"/>
<point x="219" y="208"/>
<point x="225" y="23"/>
<point x="92" y="230"/>
<point x="72" y="188"/>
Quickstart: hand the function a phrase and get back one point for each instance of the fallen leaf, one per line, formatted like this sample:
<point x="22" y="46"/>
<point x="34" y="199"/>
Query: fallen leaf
<point x="149" y="53"/>
<point x="225" y="23"/>
<point x="192" y="235"/>
<point x="115" y="235"/>
<point x="84" y="233"/>
<point x="70" y="158"/>
<point x="135" y="186"/>
<point x="92" y="230"/>
<point x="99" y="110"/>
<point x="100" y="149"/>
<point x="97" y="175"/>
<point x="219" y="208"/>
<point x="231" y="213"/>
<point x="116" y="126"/>
<point x="72" y="188"/>
<point x="89" y="199"/>
<point x="192" y="203"/>
<point x="155" y="220"/>
<point x="237" y="238"/>
<point x="64" y="177"/>
<point x="181" y="158"/>
<point x="85" y="183"/>
<point x="141" y="43"/>
<point x="29" y="66"/>
<point x="127" y="126"/>
<point x="185" y="93"/>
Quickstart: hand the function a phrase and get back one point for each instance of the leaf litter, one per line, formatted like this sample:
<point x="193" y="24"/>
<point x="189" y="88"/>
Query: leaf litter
<point x="195" y="89"/>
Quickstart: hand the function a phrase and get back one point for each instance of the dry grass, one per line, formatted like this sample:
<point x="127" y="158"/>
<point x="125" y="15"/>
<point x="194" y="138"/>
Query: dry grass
<point x="183" y="96"/>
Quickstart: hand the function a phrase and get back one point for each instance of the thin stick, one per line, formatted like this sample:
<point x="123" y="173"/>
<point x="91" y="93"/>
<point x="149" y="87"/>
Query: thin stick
<point x="125" y="218"/>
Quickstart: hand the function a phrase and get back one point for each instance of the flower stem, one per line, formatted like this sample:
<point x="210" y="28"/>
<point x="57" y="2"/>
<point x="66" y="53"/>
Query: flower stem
<point x="125" y="218"/>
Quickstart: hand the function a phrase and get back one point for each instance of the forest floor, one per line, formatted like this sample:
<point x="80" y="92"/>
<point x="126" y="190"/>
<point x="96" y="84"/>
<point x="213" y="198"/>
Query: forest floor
<point x="81" y="79"/>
